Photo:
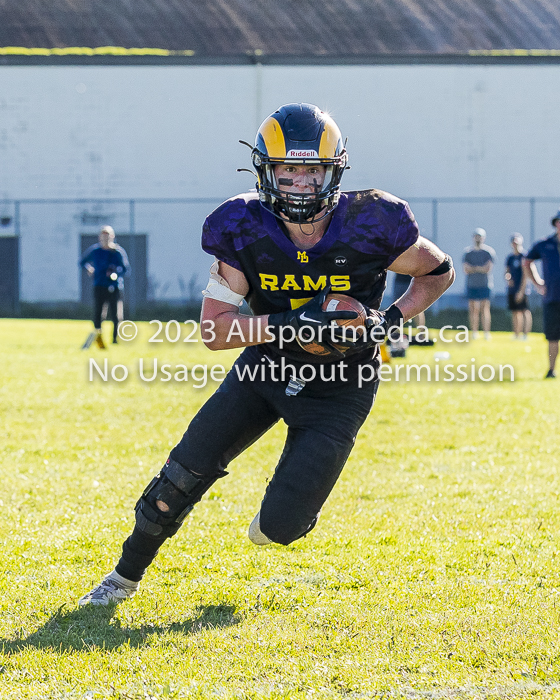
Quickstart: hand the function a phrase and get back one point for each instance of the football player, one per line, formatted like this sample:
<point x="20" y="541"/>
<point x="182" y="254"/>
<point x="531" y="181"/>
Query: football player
<point x="282" y="248"/>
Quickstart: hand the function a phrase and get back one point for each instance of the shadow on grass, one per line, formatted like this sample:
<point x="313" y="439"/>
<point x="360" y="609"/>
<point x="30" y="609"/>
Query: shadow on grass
<point x="96" y="627"/>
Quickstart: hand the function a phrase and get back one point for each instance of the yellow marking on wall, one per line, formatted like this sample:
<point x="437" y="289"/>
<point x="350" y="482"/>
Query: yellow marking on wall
<point x="89" y="51"/>
<point x="514" y="52"/>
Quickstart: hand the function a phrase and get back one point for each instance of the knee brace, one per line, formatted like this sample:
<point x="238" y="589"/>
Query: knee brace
<point x="179" y="489"/>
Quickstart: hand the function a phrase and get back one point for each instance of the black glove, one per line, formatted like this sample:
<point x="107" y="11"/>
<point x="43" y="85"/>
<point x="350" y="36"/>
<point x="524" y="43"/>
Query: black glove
<point x="378" y="325"/>
<point x="390" y="318"/>
<point x="312" y="316"/>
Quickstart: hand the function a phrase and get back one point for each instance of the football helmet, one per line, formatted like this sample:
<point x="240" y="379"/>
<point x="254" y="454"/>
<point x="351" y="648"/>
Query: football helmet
<point x="299" y="134"/>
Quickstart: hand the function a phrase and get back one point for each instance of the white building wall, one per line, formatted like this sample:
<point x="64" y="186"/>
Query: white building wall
<point x="133" y="132"/>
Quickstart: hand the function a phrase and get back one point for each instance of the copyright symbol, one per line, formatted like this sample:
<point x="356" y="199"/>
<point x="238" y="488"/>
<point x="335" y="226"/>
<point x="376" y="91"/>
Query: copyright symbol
<point x="127" y="330"/>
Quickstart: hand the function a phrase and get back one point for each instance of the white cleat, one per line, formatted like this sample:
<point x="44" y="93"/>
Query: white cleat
<point x="113" y="589"/>
<point x="255" y="534"/>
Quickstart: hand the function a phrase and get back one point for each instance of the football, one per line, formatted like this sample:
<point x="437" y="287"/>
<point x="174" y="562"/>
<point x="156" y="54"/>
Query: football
<point x="337" y="302"/>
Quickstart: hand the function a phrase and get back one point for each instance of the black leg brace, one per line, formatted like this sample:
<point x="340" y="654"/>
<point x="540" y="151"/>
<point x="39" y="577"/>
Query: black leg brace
<point x="138" y="552"/>
<point x="179" y="489"/>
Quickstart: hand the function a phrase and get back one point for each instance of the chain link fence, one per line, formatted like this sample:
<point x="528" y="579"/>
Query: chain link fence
<point x="41" y="241"/>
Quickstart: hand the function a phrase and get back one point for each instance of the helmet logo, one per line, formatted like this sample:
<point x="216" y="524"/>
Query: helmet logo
<point x="294" y="153"/>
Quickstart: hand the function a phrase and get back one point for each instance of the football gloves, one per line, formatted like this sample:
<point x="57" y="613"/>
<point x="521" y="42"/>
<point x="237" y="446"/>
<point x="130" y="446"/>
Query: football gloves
<point x="390" y="318"/>
<point x="378" y="325"/>
<point x="311" y="315"/>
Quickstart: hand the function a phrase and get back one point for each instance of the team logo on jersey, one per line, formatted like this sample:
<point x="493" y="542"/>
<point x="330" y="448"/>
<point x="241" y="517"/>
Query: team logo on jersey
<point x="295" y="153"/>
<point x="302" y="256"/>
<point x="264" y="258"/>
<point x="286" y="283"/>
<point x="340" y="260"/>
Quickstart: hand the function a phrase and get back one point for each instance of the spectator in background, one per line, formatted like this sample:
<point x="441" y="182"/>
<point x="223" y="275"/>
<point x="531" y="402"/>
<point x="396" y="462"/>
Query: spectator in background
<point x="107" y="262"/>
<point x="548" y="250"/>
<point x="400" y="286"/>
<point x="478" y="262"/>
<point x="522" y="318"/>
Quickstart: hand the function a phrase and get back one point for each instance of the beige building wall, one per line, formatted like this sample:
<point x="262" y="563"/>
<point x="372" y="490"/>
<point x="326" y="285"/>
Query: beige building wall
<point x="172" y="132"/>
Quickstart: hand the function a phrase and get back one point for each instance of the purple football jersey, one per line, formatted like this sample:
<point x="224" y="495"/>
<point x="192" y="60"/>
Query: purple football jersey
<point x="368" y="230"/>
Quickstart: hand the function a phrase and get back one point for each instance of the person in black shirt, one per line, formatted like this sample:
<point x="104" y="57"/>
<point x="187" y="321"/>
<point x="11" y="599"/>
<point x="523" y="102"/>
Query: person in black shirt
<point x="522" y="318"/>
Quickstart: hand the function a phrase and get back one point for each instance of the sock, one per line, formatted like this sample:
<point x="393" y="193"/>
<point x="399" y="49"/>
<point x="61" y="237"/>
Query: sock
<point x="115" y="576"/>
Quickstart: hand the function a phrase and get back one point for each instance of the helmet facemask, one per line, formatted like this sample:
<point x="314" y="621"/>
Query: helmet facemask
<point x="299" y="134"/>
<point x="299" y="207"/>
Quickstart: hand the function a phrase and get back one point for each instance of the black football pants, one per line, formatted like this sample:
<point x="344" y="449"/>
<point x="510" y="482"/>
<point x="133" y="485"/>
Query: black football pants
<point x="322" y="425"/>
<point x="101" y="296"/>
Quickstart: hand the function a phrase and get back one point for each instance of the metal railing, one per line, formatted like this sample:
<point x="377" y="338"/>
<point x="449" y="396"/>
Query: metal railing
<point x="434" y="202"/>
<point x="173" y="227"/>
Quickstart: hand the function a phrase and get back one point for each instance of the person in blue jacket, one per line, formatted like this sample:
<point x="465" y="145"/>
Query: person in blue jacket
<point x="547" y="250"/>
<point x="107" y="262"/>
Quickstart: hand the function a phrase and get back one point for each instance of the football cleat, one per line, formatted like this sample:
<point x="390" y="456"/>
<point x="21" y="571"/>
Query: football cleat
<point x="113" y="589"/>
<point x="550" y="374"/>
<point x="255" y="534"/>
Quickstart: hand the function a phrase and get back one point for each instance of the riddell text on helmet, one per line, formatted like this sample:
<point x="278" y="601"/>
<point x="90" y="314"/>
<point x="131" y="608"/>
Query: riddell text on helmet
<point x="301" y="154"/>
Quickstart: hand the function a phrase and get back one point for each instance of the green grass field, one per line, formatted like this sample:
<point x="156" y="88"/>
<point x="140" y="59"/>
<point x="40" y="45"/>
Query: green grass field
<point x="433" y="571"/>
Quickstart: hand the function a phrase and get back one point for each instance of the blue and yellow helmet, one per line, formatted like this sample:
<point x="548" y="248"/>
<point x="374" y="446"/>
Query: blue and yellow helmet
<point x="299" y="134"/>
